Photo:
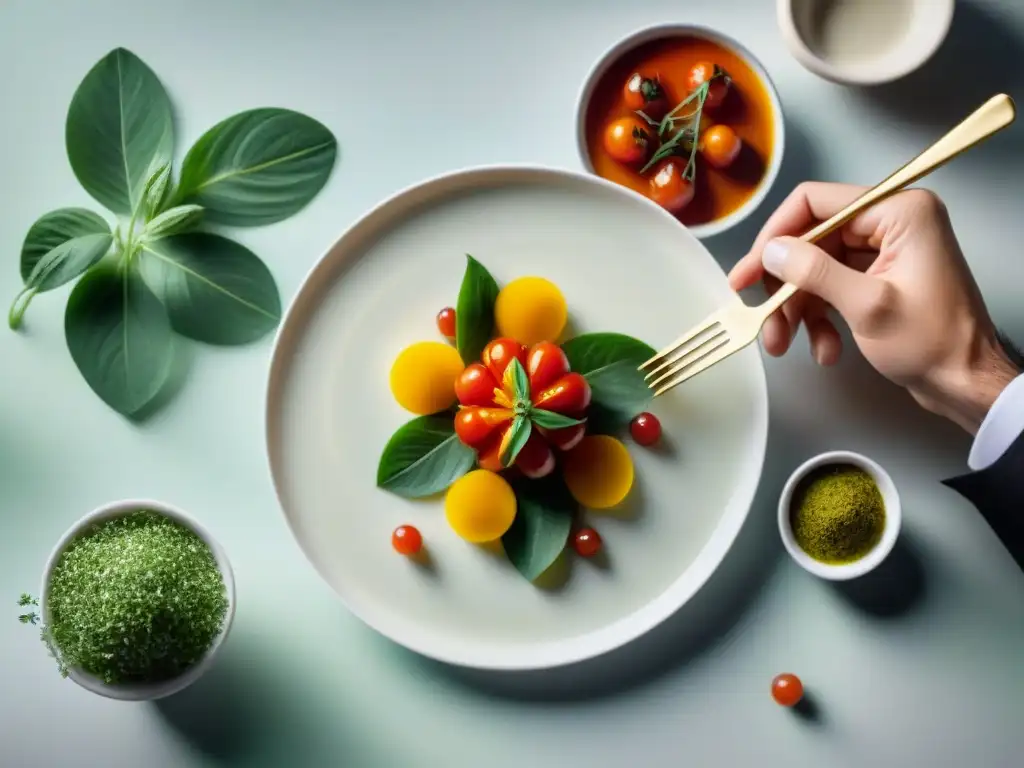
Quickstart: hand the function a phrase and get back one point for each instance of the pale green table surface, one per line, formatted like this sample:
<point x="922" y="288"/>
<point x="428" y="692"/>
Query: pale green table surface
<point x="921" y="666"/>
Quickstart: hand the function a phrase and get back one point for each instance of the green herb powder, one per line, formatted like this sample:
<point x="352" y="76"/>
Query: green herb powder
<point x="137" y="599"/>
<point x="837" y="514"/>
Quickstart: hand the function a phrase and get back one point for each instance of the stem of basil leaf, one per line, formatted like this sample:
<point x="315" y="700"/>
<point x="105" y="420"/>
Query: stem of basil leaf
<point x="18" y="307"/>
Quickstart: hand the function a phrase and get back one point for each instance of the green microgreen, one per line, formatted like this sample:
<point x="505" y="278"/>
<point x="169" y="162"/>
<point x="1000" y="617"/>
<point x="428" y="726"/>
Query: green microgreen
<point x="135" y="599"/>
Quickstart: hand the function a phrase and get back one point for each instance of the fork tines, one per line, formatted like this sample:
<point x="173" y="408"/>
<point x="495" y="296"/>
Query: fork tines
<point x="688" y="355"/>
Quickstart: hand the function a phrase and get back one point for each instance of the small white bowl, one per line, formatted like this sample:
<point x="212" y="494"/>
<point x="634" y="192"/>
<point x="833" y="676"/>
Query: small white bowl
<point x="662" y="31"/>
<point x="893" y="517"/>
<point x="927" y="24"/>
<point x="144" y="691"/>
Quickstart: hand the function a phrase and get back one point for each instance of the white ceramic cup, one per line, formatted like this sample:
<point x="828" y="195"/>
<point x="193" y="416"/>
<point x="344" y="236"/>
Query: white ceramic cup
<point x="661" y="31"/>
<point x="893" y="517"/>
<point x="144" y="691"/>
<point x="922" y="27"/>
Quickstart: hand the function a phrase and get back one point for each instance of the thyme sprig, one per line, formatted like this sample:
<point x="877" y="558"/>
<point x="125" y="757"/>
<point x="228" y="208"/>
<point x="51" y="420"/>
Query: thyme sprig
<point x="682" y="126"/>
<point x="26" y="600"/>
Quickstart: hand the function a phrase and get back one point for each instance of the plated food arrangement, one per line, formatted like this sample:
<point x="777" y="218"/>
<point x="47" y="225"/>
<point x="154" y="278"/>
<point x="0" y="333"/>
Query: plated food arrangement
<point x="516" y="429"/>
<point x="687" y="119"/>
<point x="398" y="461"/>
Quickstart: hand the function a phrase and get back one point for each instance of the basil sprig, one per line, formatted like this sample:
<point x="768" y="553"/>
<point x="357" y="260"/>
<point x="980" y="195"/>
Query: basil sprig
<point x="155" y="272"/>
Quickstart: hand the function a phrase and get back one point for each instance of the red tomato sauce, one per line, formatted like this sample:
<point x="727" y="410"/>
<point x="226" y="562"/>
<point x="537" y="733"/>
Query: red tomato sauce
<point x="747" y="110"/>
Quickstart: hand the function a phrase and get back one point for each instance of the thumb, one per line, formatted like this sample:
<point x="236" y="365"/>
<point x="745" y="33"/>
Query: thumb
<point x="809" y="268"/>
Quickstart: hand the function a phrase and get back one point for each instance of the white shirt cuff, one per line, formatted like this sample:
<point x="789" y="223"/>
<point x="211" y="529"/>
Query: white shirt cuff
<point x="1003" y="424"/>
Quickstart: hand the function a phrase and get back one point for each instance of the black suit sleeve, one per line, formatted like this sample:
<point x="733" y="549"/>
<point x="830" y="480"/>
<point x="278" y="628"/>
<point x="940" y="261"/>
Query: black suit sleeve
<point x="998" y="494"/>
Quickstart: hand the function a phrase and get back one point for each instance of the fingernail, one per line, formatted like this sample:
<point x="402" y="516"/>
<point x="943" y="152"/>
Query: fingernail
<point x="773" y="257"/>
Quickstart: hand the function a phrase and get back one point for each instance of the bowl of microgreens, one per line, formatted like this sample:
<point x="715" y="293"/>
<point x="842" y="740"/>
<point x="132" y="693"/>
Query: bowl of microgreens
<point x="687" y="117"/>
<point x="136" y="600"/>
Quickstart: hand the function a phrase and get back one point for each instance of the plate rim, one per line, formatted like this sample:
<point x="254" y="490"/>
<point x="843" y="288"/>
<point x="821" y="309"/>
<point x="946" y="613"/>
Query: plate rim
<point x="618" y="633"/>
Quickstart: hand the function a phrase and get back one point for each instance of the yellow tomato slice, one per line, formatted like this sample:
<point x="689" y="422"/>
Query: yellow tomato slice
<point x="423" y="377"/>
<point x="599" y="472"/>
<point x="480" y="506"/>
<point x="531" y="310"/>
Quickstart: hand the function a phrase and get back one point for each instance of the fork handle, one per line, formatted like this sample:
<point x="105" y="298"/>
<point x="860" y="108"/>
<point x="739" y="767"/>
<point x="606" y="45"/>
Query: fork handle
<point x="992" y="116"/>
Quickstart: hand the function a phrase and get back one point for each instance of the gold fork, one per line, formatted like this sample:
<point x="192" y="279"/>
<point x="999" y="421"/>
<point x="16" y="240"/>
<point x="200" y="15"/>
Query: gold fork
<point x="733" y="327"/>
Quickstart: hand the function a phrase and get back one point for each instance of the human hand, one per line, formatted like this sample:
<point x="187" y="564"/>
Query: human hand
<point x="897" y="277"/>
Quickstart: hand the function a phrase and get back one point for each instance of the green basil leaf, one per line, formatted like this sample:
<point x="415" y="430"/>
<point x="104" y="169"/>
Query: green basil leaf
<point x="474" y="311"/>
<point x="424" y="457"/>
<point x="119" y="337"/>
<point x="258" y="167"/>
<point x="173" y="221"/>
<point x="215" y="290"/>
<point x="55" y="229"/>
<point x="67" y="261"/>
<point x="544" y="515"/>
<point x="154" y="196"/>
<point x="552" y="420"/>
<point x="520" y="381"/>
<point x="518" y="435"/>
<point x="119" y="130"/>
<point x="609" y="361"/>
<point x="605" y="421"/>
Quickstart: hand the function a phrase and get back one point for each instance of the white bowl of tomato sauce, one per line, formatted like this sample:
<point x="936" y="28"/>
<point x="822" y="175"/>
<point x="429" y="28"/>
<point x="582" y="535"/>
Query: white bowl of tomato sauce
<point x="687" y="117"/>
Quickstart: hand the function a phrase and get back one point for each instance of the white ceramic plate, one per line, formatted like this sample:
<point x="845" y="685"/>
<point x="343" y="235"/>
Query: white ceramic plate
<point x="624" y="265"/>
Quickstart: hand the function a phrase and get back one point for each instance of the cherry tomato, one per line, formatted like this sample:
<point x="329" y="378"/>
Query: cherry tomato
<point x="566" y="438"/>
<point x="646" y="94"/>
<point x="489" y="454"/>
<point x="669" y="188"/>
<point x="475" y="385"/>
<point x="446" y="322"/>
<point x="703" y="71"/>
<point x="787" y="689"/>
<point x="627" y="140"/>
<point x="645" y="429"/>
<point x="587" y="542"/>
<point x="570" y="394"/>
<point x="407" y="540"/>
<point x="536" y="458"/>
<point x="720" y="145"/>
<point x="475" y="424"/>
<point x="545" y="364"/>
<point x="499" y="353"/>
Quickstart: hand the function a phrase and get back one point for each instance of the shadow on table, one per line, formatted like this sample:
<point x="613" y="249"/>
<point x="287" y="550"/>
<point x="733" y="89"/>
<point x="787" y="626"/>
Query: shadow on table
<point x="243" y="707"/>
<point x="713" y="615"/>
<point x="981" y="57"/>
<point x="809" y="710"/>
<point x="913" y="433"/>
<point x="219" y="714"/>
<point x="895" y="588"/>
